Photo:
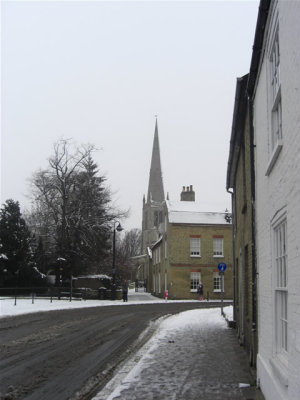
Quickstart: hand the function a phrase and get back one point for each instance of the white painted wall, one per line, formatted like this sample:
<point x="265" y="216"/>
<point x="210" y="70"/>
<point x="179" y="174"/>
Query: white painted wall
<point x="279" y="190"/>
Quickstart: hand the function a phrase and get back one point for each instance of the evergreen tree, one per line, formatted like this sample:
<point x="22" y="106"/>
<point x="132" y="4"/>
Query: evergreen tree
<point x="89" y="222"/>
<point x="16" y="244"/>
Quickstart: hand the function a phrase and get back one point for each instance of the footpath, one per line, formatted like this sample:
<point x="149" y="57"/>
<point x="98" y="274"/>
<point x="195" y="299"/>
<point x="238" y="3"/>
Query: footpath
<point x="193" y="356"/>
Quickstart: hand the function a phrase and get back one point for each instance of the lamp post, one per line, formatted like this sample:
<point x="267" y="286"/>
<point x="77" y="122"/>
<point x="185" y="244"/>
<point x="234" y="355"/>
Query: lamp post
<point x="119" y="229"/>
<point x="59" y="274"/>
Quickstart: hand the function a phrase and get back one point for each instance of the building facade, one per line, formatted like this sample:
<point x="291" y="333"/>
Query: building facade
<point x="182" y="246"/>
<point x="190" y="247"/>
<point x="276" y="100"/>
<point x="240" y="183"/>
<point x="273" y="99"/>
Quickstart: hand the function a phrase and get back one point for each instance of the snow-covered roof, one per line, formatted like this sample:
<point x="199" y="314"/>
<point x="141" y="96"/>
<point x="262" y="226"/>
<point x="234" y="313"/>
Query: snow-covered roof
<point x="190" y="212"/>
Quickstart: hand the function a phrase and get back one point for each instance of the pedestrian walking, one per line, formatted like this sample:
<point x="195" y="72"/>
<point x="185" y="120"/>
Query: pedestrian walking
<point x="125" y="290"/>
<point x="166" y="295"/>
<point x="200" y="291"/>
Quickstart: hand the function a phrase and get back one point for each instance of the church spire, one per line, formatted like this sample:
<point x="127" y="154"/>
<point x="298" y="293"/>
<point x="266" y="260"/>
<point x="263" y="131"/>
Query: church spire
<point x="155" y="187"/>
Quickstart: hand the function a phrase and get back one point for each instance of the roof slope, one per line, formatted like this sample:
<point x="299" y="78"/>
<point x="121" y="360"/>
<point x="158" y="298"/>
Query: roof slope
<point x="189" y="212"/>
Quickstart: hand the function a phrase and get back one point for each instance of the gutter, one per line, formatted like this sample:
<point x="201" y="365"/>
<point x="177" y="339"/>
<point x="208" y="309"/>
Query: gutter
<point x="233" y="256"/>
<point x="263" y="13"/>
<point x="253" y="226"/>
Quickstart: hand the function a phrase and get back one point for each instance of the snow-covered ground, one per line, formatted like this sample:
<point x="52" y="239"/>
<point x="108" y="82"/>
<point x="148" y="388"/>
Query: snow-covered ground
<point x="27" y="305"/>
<point x="147" y="373"/>
<point x="132" y="376"/>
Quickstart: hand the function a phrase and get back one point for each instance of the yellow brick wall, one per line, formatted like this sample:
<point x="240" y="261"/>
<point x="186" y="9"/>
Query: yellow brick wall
<point x="243" y="240"/>
<point x="179" y="264"/>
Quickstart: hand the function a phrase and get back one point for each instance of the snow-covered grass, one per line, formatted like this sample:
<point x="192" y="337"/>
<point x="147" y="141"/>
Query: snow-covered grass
<point x="27" y="305"/>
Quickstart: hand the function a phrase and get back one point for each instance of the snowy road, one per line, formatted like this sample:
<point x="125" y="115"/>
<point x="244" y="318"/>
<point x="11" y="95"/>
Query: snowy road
<point x="56" y="354"/>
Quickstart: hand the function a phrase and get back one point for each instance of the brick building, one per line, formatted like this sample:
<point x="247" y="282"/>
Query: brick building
<point x="240" y="182"/>
<point x="190" y="247"/>
<point x="182" y="244"/>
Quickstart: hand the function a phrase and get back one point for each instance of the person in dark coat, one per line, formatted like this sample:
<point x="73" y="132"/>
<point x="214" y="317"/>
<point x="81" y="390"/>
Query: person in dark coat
<point x="125" y="290"/>
<point x="200" y="291"/>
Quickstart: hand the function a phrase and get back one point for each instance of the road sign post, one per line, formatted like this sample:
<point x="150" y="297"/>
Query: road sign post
<point x="222" y="267"/>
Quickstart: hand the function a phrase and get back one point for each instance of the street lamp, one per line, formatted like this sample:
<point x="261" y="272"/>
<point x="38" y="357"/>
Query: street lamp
<point x="119" y="229"/>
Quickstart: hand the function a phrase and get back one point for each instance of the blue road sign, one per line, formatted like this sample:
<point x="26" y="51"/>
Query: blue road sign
<point x="222" y="267"/>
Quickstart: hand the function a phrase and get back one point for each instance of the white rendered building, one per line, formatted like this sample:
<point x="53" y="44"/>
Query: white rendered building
<point x="274" y="91"/>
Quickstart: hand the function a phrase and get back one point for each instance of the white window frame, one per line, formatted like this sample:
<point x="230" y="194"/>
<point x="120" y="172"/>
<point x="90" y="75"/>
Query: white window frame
<point x="195" y="247"/>
<point x="195" y="279"/>
<point x="275" y="103"/>
<point x="218" y="247"/>
<point x="280" y="271"/>
<point x="217" y="282"/>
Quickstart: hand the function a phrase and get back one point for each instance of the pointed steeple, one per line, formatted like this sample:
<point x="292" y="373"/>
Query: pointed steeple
<point x="155" y="187"/>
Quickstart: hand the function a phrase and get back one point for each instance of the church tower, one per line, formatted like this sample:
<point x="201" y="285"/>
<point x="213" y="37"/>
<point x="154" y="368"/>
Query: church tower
<point x="153" y="206"/>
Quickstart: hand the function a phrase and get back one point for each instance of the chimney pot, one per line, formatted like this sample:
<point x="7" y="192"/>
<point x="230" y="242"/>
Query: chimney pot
<point x="187" y="193"/>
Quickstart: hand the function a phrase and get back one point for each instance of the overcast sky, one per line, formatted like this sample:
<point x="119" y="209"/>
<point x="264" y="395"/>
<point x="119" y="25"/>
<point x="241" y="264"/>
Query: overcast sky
<point x="99" y="72"/>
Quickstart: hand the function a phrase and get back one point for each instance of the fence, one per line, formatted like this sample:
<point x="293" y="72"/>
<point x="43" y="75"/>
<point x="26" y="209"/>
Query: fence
<point x="43" y="292"/>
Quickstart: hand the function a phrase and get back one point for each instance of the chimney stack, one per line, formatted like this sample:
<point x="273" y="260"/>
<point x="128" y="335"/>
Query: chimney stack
<point x="187" y="193"/>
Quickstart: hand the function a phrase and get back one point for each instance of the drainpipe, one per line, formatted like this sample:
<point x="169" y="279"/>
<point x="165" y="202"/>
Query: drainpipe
<point x="233" y="256"/>
<point x="253" y="237"/>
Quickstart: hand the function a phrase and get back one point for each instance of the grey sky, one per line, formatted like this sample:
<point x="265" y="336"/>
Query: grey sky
<point x="98" y="72"/>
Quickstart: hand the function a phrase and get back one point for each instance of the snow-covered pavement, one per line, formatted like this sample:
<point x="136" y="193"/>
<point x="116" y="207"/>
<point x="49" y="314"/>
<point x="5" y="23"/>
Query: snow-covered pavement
<point x="193" y="355"/>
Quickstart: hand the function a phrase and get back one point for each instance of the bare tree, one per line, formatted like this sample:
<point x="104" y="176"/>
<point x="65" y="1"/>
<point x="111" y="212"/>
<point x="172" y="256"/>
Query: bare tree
<point x="73" y="208"/>
<point x="127" y="248"/>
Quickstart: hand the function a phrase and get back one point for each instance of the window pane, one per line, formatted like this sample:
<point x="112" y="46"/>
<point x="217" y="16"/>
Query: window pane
<point x="281" y="294"/>
<point x="195" y="246"/>
<point x="195" y="280"/>
<point x="218" y="246"/>
<point x="217" y="282"/>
